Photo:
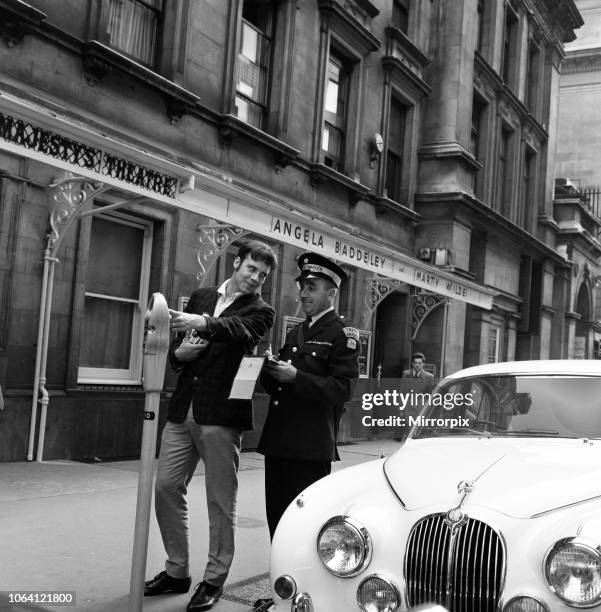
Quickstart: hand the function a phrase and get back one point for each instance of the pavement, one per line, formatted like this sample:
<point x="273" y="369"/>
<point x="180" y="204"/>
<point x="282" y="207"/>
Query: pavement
<point x="68" y="526"/>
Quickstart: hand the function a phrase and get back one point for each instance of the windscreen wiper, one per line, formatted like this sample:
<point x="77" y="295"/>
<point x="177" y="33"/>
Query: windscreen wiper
<point x="535" y="432"/>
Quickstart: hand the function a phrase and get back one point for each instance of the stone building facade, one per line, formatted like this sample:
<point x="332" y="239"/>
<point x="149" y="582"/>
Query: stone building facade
<point x="578" y="192"/>
<point x="411" y="140"/>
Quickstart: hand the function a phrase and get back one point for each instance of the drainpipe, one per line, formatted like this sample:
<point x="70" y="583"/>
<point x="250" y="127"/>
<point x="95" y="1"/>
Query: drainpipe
<point x="40" y="357"/>
<point x="66" y="209"/>
<point x="45" y="399"/>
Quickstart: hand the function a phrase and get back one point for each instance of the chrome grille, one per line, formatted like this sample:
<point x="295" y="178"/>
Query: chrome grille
<point x="460" y="567"/>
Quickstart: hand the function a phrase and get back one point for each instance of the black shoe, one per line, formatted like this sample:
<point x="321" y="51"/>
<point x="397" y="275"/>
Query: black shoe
<point x="164" y="583"/>
<point x="205" y="598"/>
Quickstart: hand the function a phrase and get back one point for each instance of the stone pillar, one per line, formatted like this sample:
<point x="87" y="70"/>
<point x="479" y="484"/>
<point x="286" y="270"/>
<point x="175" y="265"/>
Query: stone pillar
<point x="558" y="348"/>
<point x="547" y="318"/>
<point x="444" y="155"/>
<point x="549" y="120"/>
<point x="455" y="336"/>
<point x="570" y="333"/>
<point x="511" y="329"/>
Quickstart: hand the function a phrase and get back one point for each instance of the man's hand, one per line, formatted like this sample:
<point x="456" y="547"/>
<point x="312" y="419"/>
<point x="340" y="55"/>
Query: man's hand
<point x="182" y="321"/>
<point x="281" y="371"/>
<point x="187" y="351"/>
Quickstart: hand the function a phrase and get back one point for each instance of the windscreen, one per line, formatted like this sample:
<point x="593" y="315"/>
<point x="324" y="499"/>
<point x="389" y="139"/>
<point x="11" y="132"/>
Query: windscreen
<point x="514" y="405"/>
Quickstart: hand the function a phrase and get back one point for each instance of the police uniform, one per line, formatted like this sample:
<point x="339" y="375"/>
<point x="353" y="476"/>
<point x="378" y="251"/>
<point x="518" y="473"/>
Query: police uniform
<point x="299" y="436"/>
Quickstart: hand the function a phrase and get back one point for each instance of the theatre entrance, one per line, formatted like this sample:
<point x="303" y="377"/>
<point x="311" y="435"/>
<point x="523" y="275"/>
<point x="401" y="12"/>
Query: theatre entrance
<point x="392" y="338"/>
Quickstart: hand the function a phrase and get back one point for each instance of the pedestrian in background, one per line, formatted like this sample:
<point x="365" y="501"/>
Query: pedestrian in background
<point x="309" y="385"/>
<point x="221" y="325"/>
<point x="417" y="372"/>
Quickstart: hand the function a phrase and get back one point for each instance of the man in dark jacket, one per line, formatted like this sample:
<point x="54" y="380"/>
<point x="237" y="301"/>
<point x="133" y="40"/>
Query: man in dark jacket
<point x="308" y="386"/>
<point x="423" y="379"/>
<point x="221" y="325"/>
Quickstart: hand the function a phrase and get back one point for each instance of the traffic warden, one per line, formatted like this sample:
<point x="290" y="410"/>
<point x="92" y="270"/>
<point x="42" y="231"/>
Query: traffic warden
<point x="309" y="385"/>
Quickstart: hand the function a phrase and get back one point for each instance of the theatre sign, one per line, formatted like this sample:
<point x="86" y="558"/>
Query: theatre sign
<point x="216" y="196"/>
<point x="380" y="260"/>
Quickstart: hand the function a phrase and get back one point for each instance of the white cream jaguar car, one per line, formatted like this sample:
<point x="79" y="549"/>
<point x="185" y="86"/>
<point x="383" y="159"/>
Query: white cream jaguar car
<point x="493" y="504"/>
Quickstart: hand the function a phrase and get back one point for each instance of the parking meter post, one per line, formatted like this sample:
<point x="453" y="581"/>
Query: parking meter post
<point x="156" y="348"/>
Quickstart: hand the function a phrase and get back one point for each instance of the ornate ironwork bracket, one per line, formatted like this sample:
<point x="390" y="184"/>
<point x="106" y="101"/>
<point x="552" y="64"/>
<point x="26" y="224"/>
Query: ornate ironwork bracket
<point x="376" y="290"/>
<point x="213" y="240"/>
<point x="423" y="303"/>
<point x="69" y="197"/>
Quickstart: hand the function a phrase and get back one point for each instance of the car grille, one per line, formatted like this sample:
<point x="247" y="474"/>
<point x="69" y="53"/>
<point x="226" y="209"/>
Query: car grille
<point x="461" y="567"/>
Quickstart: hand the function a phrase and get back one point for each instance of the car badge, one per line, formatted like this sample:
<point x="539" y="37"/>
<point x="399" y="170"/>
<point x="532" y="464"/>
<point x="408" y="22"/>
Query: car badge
<point x="455" y="517"/>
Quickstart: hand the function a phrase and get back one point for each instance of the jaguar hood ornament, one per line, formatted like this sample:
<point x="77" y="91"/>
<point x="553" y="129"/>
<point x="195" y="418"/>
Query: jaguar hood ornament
<point x="456" y="516"/>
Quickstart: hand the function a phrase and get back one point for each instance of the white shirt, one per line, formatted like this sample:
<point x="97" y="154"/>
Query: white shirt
<point x="316" y="317"/>
<point x="223" y="301"/>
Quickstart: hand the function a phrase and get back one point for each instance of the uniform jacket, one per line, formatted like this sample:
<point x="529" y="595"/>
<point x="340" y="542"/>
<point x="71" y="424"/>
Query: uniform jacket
<point x="207" y="380"/>
<point x="303" y="416"/>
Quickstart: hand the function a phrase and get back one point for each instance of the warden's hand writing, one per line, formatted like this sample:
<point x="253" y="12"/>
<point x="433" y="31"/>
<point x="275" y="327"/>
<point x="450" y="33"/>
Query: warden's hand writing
<point x="282" y="372"/>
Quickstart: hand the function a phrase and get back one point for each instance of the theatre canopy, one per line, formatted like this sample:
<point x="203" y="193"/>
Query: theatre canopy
<point x="37" y="132"/>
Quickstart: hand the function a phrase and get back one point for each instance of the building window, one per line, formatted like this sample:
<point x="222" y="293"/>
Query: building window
<point x="480" y="37"/>
<point x="477" y="140"/>
<point x="527" y="196"/>
<point x="510" y="43"/>
<point x="134" y="28"/>
<point x="116" y="292"/>
<point x="504" y="173"/>
<point x="335" y="112"/>
<point x="400" y="15"/>
<point x="254" y="60"/>
<point x="532" y="85"/>
<point x="394" y="149"/>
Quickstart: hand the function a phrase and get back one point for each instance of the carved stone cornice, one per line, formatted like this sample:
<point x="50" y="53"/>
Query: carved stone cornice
<point x="588" y="60"/>
<point x="319" y="173"/>
<point x="346" y="22"/>
<point x="401" y="48"/>
<point x="407" y="72"/>
<point x="17" y="19"/>
<point x="438" y="150"/>
<point x="99" y="60"/>
<point x="230" y="128"/>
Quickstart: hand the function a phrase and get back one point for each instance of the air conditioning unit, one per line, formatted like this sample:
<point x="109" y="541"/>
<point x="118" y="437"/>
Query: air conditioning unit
<point x="441" y="257"/>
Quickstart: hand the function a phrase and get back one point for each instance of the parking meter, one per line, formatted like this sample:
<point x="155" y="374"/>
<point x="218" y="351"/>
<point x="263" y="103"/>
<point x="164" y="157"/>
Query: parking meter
<point x="156" y="347"/>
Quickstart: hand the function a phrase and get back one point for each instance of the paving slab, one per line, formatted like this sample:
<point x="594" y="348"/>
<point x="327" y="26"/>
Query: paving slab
<point x="68" y="526"/>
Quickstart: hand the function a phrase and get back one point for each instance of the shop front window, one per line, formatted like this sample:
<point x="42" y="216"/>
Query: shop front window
<point x="116" y="291"/>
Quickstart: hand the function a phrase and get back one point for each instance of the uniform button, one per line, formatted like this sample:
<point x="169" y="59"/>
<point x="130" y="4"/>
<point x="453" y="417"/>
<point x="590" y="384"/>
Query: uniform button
<point x="289" y="361"/>
<point x="195" y="378"/>
<point x="279" y="388"/>
<point x="275" y="402"/>
<point x="294" y="349"/>
<point x="314" y="354"/>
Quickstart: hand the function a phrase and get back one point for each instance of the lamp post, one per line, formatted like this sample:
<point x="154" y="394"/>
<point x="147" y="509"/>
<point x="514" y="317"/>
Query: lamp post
<point x="156" y="347"/>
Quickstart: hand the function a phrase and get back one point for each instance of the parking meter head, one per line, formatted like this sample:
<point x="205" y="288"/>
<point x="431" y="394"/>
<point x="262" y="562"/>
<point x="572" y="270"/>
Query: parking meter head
<point x="156" y="344"/>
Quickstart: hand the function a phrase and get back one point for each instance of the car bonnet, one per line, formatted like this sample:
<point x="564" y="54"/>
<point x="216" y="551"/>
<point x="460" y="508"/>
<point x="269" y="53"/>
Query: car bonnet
<point x="517" y="477"/>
